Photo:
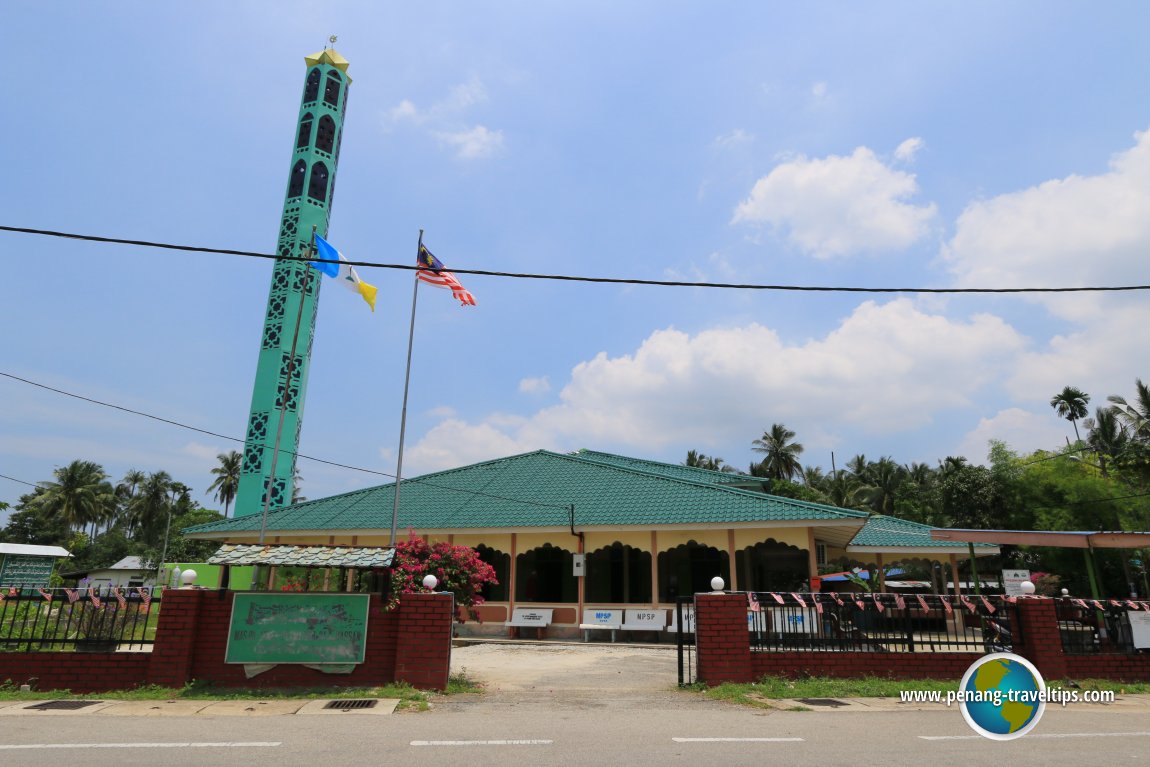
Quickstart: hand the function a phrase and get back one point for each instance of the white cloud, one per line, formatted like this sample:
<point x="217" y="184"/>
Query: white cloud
<point x="405" y="110"/>
<point x="907" y="150"/>
<point x="837" y="206"/>
<point x="475" y="143"/>
<point x="205" y="452"/>
<point x="887" y="368"/>
<point x="535" y="385"/>
<point x="1073" y="231"/>
<point x="734" y="138"/>
<point x="819" y="90"/>
<point x="1021" y="430"/>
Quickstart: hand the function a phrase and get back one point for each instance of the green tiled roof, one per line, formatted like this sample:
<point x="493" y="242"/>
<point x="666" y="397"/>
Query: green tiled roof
<point x="891" y="532"/>
<point x="534" y="490"/>
<point x="672" y="469"/>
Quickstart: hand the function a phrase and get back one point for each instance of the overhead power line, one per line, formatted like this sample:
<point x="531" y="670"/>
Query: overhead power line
<point x="286" y="452"/>
<point x="575" y="278"/>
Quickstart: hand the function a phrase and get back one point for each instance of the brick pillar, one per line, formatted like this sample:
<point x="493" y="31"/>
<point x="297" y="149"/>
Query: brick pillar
<point x="175" y="645"/>
<point x="722" y="641"/>
<point x="1040" y="642"/>
<point x="423" y="644"/>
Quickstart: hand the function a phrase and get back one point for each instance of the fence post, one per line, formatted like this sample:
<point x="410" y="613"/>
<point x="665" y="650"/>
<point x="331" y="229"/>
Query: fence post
<point x="722" y="642"/>
<point x="1040" y="641"/>
<point x="175" y="645"/>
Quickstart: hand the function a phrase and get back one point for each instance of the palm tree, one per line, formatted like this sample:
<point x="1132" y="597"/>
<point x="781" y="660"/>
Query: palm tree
<point x="782" y="455"/>
<point x="125" y="496"/>
<point x="227" y="481"/>
<point x="150" y="507"/>
<point x="884" y="477"/>
<point x="814" y="478"/>
<point x="1136" y="416"/>
<point x="1105" y="436"/>
<point x="1070" y="403"/>
<point x="713" y="463"/>
<point x="80" y="495"/>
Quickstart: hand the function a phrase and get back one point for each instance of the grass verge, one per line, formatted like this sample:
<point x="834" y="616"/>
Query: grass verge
<point x="410" y="698"/>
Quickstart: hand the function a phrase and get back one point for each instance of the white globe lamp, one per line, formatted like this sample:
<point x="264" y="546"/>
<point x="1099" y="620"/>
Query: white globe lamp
<point x="717" y="584"/>
<point x="1027" y="588"/>
<point x="430" y="582"/>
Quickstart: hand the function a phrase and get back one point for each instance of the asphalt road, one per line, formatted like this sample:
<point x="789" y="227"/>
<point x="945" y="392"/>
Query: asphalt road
<point x="573" y="707"/>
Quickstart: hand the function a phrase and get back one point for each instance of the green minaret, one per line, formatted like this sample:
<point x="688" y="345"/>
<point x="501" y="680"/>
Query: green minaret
<point x="294" y="295"/>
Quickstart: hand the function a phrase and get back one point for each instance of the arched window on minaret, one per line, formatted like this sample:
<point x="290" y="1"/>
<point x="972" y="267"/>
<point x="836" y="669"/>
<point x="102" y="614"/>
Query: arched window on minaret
<point x="317" y="189"/>
<point x="311" y="90"/>
<point x="331" y="89"/>
<point x="295" y="184"/>
<point x="303" y="140"/>
<point x="325" y="136"/>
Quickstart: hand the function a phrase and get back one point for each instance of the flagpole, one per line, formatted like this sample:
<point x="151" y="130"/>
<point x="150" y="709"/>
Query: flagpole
<point x="406" y="382"/>
<point x="280" y="425"/>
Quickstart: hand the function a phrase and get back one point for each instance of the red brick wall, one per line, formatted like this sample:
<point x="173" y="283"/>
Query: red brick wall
<point x="411" y="644"/>
<point x="724" y="651"/>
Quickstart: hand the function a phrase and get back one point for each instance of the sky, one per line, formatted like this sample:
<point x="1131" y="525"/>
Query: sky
<point x="895" y="144"/>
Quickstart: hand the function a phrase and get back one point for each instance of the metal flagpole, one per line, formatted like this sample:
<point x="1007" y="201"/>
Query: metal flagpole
<point x="406" y="381"/>
<point x="280" y="425"/>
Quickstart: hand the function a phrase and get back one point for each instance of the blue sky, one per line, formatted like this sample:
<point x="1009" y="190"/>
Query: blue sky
<point x="978" y="144"/>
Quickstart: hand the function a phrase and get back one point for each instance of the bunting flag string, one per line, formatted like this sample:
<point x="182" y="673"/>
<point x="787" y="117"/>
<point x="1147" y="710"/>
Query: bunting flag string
<point x="817" y="603"/>
<point x="46" y="594"/>
<point x="986" y="603"/>
<point x="1081" y="603"/>
<point x="753" y="602"/>
<point x="877" y="602"/>
<point x="145" y="595"/>
<point x="968" y="604"/>
<point x="95" y="599"/>
<point x="946" y="605"/>
<point x="1115" y="602"/>
<point x="1097" y="604"/>
<point x="72" y="595"/>
<point x="858" y="601"/>
<point x="119" y="597"/>
<point x="778" y="598"/>
<point x="1" y="597"/>
<point x="837" y="598"/>
<point x="1012" y="600"/>
<point x="922" y="603"/>
<point x="899" y="602"/>
<point x="798" y="599"/>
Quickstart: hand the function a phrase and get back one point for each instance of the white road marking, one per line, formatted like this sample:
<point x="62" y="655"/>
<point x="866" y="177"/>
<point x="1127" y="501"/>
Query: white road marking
<point x="224" y="744"/>
<point x="482" y="742"/>
<point x="1047" y="735"/>
<point x="737" y="740"/>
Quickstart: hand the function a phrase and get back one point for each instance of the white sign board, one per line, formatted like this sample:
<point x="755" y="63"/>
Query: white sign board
<point x="525" y="616"/>
<point x="1012" y="581"/>
<point x="790" y="621"/>
<point x="645" y="620"/>
<point x="688" y="620"/>
<point x="609" y="619"/>
<point x="1140" y="629"/>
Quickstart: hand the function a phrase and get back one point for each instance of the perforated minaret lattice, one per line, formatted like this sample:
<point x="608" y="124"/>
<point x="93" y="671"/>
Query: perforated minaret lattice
<point x="310" y="191"/>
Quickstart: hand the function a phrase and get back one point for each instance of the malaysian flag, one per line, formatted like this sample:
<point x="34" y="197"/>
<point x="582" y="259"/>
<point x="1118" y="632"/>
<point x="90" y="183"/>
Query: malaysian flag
<point x="837" y="598"/>
<point x="433" y="272"/>
<point x="922" y="603"/>
<point x="818" y="605"/>
<point x="46" y="594"/>
<point x="145" y="596"/>
<point x="877" y="602"/>
<point x="968" y="604"/>
<point x="72" y="595"/>
<point x="945" y="604"/>
<point x="119" y="597"/>
<point x="798" y="599"/>
<point x="94" y="597"/>
<point x="778" y="598"/>
<point x="986" y="603"/>
<point x="753" y="602"/>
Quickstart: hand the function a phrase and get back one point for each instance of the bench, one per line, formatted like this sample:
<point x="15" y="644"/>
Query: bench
<point x="688" y="621"/>
<point x="601" y="620"/>
<point x="645" y="619"/>
<point x="537" y="618"/>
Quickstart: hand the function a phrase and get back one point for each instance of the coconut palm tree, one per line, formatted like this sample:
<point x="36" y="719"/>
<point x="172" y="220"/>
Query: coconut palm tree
<point x="782" y="454"/>
<point x="700" y="461"/>
<point x="1135" y="415"/>
<point x="1070" y="403"/>
<point x="227" y="481"/>
<point x="883" y="478"/>
<point x="81" y="494"/>
<point x="1105" y="436"/>
<point x="126" y="495"/>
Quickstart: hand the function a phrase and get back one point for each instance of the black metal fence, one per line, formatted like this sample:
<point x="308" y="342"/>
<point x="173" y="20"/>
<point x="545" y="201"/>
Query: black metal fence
<point x="92" y="619"/>
<point x="1089" y="626"/>
<point x="895" y="623"/>
<point x="684" y="617"/>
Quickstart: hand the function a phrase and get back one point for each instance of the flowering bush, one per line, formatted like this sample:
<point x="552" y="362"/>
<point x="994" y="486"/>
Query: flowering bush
<point x="458" y="569"/>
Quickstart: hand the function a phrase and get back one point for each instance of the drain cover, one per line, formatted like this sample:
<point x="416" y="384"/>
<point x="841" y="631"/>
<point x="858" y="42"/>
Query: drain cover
<point x="62" y="705"/>
<point x="823" y="702"/>
<point x="351" y="705"/>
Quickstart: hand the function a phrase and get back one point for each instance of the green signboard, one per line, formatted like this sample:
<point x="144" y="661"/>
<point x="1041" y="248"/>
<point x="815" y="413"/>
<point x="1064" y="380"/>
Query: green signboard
<point x="298" y="628"/>
<point x="25" y="570"/>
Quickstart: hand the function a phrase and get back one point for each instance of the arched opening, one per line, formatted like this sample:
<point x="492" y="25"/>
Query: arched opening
<point x="501" y="563"/>
<point x="331" y="89"/>
<point x="772" y="566"/>
<point x="325" y="136"/>
<point x="317" y="187"/>
<point x="689" y="568"/>
<point x="544" y="574"/>
<point x="303" y="139"/>
<point x="618" y="573"/>
<point x="295" y="183"/>
<point x="311" y="90"/>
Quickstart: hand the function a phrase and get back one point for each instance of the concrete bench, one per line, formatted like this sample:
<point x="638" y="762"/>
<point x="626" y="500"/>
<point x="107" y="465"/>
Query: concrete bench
<point x="537" y="618"/>
<point x="645" y="619"/>
<point x="688" y="621"/>
<point x="601" y="620"/>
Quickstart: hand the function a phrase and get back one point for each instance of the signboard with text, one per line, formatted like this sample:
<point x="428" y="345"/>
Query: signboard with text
<point x="298" y="628"/>
<point x="1012" y="581"/>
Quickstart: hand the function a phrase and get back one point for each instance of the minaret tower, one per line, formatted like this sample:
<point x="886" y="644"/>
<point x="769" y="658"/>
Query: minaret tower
<point x="294" y="295"/>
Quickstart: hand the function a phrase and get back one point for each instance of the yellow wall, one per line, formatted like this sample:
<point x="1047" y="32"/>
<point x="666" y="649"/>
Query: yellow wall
<point x="669" y="539"/>
<point x="640" y="539"/>
<point x="792" y="536"/>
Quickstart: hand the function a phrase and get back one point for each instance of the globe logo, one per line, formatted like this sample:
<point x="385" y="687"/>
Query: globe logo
<point x="1002" y="696"/>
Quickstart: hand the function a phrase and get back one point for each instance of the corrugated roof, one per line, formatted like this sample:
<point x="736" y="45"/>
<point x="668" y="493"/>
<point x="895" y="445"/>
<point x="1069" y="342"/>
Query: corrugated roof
<point x="534" y="490"/>
<point x="302" y="556"/>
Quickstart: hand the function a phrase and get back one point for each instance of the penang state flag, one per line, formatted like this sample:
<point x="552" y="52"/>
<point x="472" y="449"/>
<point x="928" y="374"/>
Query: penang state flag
<point x="433" y="272"/>
<point x="342" y="271"/>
